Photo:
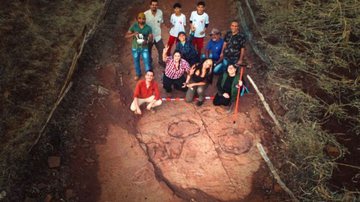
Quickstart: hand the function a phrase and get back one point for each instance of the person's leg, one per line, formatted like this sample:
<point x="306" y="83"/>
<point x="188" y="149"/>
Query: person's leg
<point x="200" y="45"/>
<point x="150" y="46"/>
<point x="190" y="94"/>
<point x="140" y="102"/>
<point x="167" y="82"/>
<point x="160" y="47"/>
<point x="221" y="67"/>
<point x="136" y="57"/>
<point x="178" y="83"/>
<point x="152" y="102"/>
<point x="201" y="92"/>
<point x="170" y="43"/>
<point x="146" y="58"/>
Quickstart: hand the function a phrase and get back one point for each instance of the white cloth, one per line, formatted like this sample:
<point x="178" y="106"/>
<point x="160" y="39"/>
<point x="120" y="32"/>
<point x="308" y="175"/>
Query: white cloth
<point x="179" y="23"/>
<point x="199" y="22"/>
<point x="155" y="23"/>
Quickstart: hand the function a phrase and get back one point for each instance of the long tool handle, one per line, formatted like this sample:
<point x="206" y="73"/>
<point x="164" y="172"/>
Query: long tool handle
<point x="238" y="94"/>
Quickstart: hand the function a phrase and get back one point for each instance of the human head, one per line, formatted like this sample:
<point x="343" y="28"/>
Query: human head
<point x="231" y="69"/>
<point x="200" y="7"/>
<point x="182" y="36"/>
<point x="215" y="34"/>
<point x="153" y="5"/>
<point x="141" y="19"/>
<point x="234" y="27"/>
<point x="208" y="63"/>
<point x="149" y="75"/>
<point x="177" y="8"/>
<point x="177" y="56"/>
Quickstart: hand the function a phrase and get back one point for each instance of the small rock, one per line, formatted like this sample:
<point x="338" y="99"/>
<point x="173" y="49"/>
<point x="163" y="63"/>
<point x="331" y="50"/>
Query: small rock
<point x="69" y="194"/>
<point x="53" y="161"/>
<point x="2" y="194"/>
<point x="332" y="151"/>
<point x="277" y="188"/>
<point x="48" y="198"/>
<point x="89" y="160"/>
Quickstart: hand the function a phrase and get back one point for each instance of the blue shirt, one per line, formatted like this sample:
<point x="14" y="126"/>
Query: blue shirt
<point x="215" y="48"/>
<point x="187" y="50"/>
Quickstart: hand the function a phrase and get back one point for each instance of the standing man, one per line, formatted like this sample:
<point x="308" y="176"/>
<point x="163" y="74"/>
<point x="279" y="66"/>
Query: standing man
<point x="154" y="18"/>
<point x="233" y="49"/>
<point x="141" y="34"/>
<point x="146" y="91"/>
<point x="199" y="21"/>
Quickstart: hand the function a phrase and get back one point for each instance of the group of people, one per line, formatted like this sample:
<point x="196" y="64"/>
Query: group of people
<point x="187" y="69"/>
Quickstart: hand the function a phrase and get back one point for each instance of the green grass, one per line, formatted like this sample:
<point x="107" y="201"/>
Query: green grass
<point x="36" y="49"/>
<point x="315" y="70"/>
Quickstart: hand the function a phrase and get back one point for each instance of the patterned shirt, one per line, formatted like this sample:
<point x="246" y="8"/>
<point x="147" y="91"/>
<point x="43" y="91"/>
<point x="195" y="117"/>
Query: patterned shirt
<point x="234" y="44"/>
<point x="171" y="71"/>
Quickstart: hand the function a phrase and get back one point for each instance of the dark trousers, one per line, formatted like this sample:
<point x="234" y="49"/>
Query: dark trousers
<point x="177" y="83"/>
<point x="160" y="47"/>
<point x="221" y="100"/>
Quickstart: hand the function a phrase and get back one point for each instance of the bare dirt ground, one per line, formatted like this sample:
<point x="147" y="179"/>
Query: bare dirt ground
<point x="180" y="153"/>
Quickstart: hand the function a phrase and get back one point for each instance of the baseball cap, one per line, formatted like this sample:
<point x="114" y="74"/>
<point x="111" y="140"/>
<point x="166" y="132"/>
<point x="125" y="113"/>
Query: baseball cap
<point x="214" y="31"/>
<point x="141" y="15"/>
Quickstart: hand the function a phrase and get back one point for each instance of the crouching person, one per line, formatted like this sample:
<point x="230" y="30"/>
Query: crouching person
<point x="227" y="87"/>
<point x="146" y="91"/>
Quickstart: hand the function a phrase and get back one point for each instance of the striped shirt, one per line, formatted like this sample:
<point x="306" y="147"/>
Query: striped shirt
<point x="171" y="71"/>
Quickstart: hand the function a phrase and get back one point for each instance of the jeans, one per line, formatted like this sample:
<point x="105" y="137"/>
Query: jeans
<point x="221" y="67"/>
<point x="200" y="90"/>
<point x="144" y="52"/>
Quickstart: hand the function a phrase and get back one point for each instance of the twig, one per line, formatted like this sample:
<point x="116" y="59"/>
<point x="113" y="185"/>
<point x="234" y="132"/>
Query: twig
<point x="273" y="171"/>
<point x="266" y="105"/>
<point x="351" y="166"/>
<point x="50" y="116"/>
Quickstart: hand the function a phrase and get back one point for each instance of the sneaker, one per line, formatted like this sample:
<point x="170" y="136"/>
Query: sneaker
<point x="199" y="103"/>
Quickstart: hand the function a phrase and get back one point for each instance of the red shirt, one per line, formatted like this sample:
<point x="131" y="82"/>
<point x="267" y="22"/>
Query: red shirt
<point x="142" y="92"/>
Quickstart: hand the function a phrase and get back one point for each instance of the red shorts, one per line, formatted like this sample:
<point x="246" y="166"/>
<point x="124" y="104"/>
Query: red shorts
<point x="170" y="43"/>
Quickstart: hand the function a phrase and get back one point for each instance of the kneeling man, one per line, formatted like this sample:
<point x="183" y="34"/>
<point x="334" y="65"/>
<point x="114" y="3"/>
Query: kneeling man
<point x="146" y="91"/>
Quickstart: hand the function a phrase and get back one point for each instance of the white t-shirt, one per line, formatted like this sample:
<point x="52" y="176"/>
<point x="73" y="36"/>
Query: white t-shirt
<point x="179" y="23"/>
<point x="199" y="21"/>
<point x="155" y="23"/>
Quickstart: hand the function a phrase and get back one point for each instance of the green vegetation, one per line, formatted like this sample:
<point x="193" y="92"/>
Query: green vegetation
<point x="38" y="41"/>
<point x="313" y="47"/>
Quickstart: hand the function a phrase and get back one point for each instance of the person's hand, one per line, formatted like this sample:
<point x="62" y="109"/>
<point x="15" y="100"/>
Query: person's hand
<point x="202" y="32"/>
<point x="239" y="84"/>
<point x="190" y="85"/>
<point x="221" y="56"/>
<point x="184" y="85"/>
<point x="239" y="62"/>
<point x="226" y="95"/>
<point x="138" y="111"/>
<point x="192" y="28"/>
<point x="166" y="49"/>
<point x="192" y="70"/>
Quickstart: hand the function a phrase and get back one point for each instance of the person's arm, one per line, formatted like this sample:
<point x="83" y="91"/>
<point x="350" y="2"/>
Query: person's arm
<point x="136" y="95"/>
<point x="240" y="61"/>
<point x="131" y="32"/>
<point x="164" y="56"/>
